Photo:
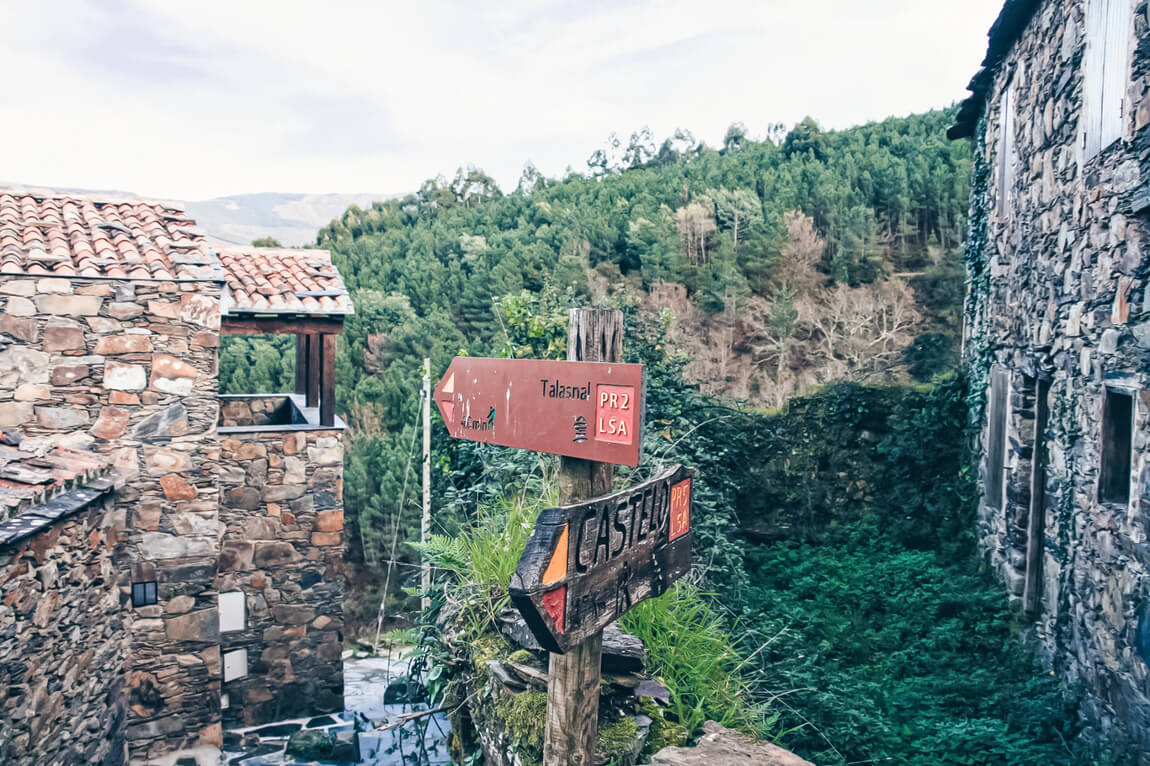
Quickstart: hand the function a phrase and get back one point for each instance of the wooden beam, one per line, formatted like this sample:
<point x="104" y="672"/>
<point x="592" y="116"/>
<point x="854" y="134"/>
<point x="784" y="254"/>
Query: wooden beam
<point x="594" y="335"/>
<point x="232" y="325"/>
<point x="314" y="370"/>
<point x="301" y="363"/>
<point x="327" y="384"/>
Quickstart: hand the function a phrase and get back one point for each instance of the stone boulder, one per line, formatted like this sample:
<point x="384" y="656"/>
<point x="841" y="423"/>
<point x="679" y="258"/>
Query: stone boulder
<point x="720" y="746"/>
<point x="341" y="746"/>
<point x="404" y="690"/>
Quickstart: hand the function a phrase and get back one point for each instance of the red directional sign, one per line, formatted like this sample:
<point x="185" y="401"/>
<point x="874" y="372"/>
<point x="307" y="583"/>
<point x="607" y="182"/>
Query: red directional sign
<point x="590" y="410"/>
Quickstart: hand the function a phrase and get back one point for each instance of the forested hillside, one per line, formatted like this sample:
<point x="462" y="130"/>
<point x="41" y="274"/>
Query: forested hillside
<point x="776" y="265"/>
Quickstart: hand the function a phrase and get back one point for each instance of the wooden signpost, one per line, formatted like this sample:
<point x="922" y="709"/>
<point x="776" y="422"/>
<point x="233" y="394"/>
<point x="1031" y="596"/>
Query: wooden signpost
<point x="584" y="409"/>
<point x="598" y="554"/>
<point x="587" y="564"/>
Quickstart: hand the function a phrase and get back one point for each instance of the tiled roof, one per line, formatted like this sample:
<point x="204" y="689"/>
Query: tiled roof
<point x="69" y="235"/>
<point x="34" y="471"/>
<point x="46" y="234"/>
<point x="273" y="279"/>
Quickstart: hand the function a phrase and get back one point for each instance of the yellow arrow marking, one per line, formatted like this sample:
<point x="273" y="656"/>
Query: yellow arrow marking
<point x="557" y="567"/>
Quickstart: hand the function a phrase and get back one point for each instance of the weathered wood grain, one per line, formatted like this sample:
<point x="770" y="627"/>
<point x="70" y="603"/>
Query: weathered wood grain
<point x="314" y="369"/>
<point x="327" y="381"/>
<point x="587" y="410"/>
<point x="620" y="549"/>
<point x="301" y="342"/>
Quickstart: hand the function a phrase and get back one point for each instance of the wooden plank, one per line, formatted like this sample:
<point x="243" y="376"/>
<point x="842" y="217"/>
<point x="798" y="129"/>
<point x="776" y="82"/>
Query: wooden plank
<point x="996" y="436"/>
<point x="1093" y="73"/>
<point x="588" y="563"/>
<point x="594" y="335"/>
<point x="583" y="409"/>
<point x="1006" y="159"/>
<point x="287" y="325"/>
<point x="1116" y="70"/>
<point x="327" y="383"/>
<point x="314" y="370"/>
<point x="301" y="342"/>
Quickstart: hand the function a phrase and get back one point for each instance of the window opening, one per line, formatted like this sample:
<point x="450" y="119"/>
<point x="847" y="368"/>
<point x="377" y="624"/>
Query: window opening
<point x="996" y="437"/>
<point x="143" y="593"/>
<point x="1036" y="529"/>
<point x="1117" y="436"/>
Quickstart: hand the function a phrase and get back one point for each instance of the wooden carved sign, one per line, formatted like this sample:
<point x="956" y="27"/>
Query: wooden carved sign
<point x="587" y="564"/>
<point x="590" y="410"/>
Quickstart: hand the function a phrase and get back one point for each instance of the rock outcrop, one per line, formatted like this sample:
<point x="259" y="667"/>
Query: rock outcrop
<point x="719" y="746"/>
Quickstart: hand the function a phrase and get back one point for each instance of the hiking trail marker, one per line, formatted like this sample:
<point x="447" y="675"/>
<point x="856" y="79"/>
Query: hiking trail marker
<point x="598" y="554"/>
<point x="589" y="410"/>
<point x="585" y="565"/>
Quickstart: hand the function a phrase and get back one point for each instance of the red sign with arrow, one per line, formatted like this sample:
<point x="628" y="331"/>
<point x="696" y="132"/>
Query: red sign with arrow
<point x="590" y="410"/>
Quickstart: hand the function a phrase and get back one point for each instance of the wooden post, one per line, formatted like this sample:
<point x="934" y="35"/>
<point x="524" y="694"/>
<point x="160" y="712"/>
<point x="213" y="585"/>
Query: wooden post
<point x="327" y="382"/>
<point x="301" y="364"/>
<point x="314" y="365"/>
<point x="595" y="335"/>
<point x="425" y="521"/>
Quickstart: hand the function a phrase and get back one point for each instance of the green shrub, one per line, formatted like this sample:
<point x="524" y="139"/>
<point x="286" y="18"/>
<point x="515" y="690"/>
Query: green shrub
<point x="696" y="658"/>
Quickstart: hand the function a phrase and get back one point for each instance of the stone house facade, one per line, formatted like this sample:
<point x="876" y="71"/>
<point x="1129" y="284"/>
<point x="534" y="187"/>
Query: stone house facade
<point x="205" y="578"/>
<point x="1057" y="336"/>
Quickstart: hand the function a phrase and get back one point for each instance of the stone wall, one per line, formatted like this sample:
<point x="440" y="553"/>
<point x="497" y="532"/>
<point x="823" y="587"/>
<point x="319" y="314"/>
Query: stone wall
<point x="1061" y="294"/>
<point x="62" y="645"/>
<point x="130" y="367"/>
<point x="258" y="410"/>
<point x="282" y="508"/>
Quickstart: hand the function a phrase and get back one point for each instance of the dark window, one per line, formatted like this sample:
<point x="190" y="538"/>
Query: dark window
<point x="996" y="437"/>
<point x="1117" y="431"/>
<point x="143" y="593"/>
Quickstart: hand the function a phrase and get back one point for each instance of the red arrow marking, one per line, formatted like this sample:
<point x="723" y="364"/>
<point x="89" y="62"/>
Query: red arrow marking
<point x="555" y="602"/>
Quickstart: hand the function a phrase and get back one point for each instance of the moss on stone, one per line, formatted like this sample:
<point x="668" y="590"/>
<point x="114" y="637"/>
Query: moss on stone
<point x="522" y="657"/>
<point x="663" y="733"/>
<point x="616" y="739"/>
<point x="525" y="716"/>
<point x="484" y="648"/>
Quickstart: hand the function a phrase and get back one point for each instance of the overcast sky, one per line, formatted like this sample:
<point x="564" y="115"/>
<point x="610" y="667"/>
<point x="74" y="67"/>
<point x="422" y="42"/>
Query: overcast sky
<point x="188" y="100"/>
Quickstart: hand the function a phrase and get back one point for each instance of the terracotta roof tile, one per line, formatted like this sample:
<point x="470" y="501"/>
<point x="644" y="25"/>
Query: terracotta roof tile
<point x="69" y="235"/>
<point x="276" y="279"/>
<point x="48" y="234"/>
<point x="33" y="471"/>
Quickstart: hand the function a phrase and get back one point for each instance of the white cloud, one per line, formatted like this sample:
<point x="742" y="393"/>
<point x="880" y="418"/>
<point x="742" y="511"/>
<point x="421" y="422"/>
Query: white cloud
<point x="221" y="97"/>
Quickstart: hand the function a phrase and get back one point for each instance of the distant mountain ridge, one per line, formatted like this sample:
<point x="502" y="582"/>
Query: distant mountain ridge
<point x="293" y="219"/>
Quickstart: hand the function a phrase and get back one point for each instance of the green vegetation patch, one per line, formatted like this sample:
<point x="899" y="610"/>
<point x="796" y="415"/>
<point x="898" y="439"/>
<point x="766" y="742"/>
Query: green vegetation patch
<point x="617" y="738"/>
<point x="525" y="716"/>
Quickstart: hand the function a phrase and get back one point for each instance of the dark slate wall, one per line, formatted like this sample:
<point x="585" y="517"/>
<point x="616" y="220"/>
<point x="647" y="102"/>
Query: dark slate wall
<point x="1064" y="294"/>
<point x="282" y="509"/>
<point x="62" y="646"/>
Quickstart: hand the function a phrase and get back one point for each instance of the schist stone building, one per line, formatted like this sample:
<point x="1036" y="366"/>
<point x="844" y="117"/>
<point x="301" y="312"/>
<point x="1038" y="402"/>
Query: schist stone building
<point x="1058" y="332"/>
<point x="170" y="558"/>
